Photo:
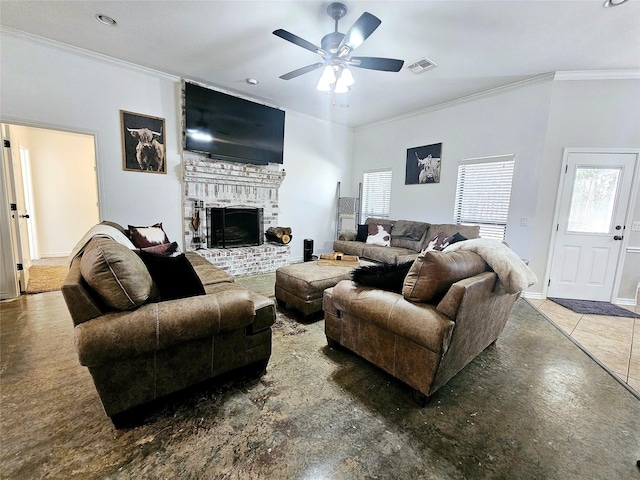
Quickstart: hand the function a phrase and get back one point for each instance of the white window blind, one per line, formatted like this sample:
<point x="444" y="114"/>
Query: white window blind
<point x="483" y="194"/>
<point x="376" y="194"/>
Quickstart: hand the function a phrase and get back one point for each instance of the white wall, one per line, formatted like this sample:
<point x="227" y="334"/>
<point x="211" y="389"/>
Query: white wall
<point x="508" y="121"/>
<point x="64" y="209"/>
<point x="46" y="85"/>
<point x="534" y="121"/>
<point x="317" y="155"/>
<point x="586" y="113"/>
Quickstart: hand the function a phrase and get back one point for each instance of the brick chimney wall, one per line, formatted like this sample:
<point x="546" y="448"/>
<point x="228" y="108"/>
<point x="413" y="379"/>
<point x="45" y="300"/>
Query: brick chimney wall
<point x="224" y="184"/>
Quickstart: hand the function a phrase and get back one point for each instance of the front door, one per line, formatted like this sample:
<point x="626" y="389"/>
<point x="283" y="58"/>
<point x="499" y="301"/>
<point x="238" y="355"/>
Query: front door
<point x="594" y="199"/>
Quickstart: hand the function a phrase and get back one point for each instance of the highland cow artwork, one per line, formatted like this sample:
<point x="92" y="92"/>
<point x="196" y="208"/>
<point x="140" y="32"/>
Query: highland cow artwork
<point x="423" y="164"/>
<point x="143" y="143"/>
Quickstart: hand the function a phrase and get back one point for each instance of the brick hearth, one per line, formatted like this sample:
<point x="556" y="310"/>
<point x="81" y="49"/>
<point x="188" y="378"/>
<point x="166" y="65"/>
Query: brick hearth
<point x="225" y="184"/>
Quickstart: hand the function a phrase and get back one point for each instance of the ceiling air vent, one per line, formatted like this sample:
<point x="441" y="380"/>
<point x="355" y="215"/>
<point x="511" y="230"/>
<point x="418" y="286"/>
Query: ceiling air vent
<point x="422" y="66"/>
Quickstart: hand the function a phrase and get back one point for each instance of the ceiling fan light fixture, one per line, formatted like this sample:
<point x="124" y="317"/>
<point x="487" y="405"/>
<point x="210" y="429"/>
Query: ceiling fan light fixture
<point x="346" y="77"/>
<point x="336" y="52"/>
<point x="323" y="86"/>
<point x="340" y="87"/>
<point x="328" y="75"/>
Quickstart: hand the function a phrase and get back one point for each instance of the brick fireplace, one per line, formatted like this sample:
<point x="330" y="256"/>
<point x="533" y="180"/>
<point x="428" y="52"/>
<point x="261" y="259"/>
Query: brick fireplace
<point x="225" y="184"/>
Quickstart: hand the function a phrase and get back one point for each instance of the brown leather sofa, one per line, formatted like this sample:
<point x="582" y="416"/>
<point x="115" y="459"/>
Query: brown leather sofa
<point x="452" y="307"/>
<point x="138" y="347"/>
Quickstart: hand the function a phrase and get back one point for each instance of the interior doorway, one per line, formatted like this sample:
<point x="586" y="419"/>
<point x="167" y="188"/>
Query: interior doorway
<point x="54" y="172"/>
<point x="591" y="218"/>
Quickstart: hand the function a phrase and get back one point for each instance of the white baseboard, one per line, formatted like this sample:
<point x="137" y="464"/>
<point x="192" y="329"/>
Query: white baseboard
<point x="629" y="302"/>
<point x="55" y="255"/>
<point x="534" y="295"/>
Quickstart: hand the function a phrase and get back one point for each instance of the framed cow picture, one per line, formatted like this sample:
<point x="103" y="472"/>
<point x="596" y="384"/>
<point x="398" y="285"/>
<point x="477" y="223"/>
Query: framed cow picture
<point x="143" y="143"/>
<point x="423" y="164"/>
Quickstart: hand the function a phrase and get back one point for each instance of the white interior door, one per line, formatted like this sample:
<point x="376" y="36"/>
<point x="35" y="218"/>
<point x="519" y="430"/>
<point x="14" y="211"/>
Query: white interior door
<point x="9" y="285"/>
<point x="593" y="205"/>
<point x="19" y="213"/>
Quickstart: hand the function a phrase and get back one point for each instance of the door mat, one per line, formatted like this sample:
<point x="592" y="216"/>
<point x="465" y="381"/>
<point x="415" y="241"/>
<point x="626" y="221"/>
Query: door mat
<point x="591" y="307"/>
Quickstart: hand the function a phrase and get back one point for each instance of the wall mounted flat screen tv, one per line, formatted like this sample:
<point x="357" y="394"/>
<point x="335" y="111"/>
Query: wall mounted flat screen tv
<point x="232" y="128"/>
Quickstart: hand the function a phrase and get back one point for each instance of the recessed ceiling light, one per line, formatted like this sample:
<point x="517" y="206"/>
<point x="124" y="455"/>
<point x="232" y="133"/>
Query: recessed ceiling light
<point x="106" y="19"/>
<point x="251" y="81"/>
<point x="613" y="3"/>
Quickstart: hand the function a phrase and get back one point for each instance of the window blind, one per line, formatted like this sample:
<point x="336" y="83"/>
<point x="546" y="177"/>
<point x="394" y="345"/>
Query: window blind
<point x="376" y="194"/>
<point x="483" y="194"/>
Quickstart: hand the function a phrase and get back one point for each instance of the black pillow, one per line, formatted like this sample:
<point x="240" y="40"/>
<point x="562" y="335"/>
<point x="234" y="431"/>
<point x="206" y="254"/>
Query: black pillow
<point x="385" y="276"/>
<point x="456" y="237"/>
<point x="363" y="232"/>
<point x="174" y="276"/>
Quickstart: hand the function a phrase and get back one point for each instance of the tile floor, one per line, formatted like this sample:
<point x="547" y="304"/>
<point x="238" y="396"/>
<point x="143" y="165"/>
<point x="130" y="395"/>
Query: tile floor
<point x="615" y="341"/>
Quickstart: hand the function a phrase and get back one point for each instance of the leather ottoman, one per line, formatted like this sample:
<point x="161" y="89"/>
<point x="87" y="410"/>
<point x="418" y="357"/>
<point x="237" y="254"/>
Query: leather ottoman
<point x="301" y="285"/>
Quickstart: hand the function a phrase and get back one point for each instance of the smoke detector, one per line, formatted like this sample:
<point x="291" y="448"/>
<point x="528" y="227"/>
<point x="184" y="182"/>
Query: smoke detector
<point x="422" y="66"/>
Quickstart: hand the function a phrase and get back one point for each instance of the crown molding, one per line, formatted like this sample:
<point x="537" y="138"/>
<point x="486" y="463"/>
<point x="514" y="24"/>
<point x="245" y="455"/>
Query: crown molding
<point x="467" y="98"/>
<point x="628" y="74"/>
<point x="65" y="47"/>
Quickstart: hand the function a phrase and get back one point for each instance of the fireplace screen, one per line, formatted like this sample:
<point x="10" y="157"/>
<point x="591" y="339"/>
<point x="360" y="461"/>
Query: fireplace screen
<point x="229" y="227"/>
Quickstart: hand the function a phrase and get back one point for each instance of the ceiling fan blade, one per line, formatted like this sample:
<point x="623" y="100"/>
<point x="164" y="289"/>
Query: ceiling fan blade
<point x="358" y="33"/>
<point x="301" y="71"/>
<point x="376" y="63"/>
<point x="301" y="42"/>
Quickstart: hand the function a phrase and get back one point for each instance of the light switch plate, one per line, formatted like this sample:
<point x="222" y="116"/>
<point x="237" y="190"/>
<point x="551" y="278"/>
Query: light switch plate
<point x="635" y="226"/>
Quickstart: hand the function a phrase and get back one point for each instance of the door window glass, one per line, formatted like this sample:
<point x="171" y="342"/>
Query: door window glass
<point x="593" y="200"/>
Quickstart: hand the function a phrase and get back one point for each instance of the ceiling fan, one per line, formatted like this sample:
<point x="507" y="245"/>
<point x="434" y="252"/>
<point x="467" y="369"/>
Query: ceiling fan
<point x="336" y="49"/>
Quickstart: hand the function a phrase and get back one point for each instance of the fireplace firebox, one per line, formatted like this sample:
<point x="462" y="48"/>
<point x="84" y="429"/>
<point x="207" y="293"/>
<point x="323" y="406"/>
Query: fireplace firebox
<point x="229" y="227"/>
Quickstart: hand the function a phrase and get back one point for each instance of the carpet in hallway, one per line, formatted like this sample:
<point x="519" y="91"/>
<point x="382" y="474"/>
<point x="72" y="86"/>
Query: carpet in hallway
<point x="534" y="406"/>
<point x="46" y="278"/>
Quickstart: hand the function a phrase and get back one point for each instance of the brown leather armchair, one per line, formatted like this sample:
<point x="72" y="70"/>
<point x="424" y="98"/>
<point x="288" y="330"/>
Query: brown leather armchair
<point x="449" y="311"/>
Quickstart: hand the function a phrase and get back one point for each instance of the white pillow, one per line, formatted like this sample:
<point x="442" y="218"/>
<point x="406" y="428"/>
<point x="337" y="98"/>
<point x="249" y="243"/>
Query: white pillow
<point x="381" y="237"/>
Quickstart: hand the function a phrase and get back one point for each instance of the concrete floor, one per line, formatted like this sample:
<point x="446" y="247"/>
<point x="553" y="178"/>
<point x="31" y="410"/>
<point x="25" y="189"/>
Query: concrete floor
<point x="533" y="407"/>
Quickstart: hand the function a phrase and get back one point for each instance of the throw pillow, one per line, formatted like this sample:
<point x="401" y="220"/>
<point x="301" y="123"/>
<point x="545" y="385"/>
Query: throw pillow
<point x="175" y="277"/>
<point x="363" y="232"/>
<point x="433" y="273"/>
<point x="379" y="234"/>
<point x="442" y="241"/>
<point x="143" y="237"/>
<point x="116" y="274"/>
<point x="409" y="229"/>
<point x="456" y="237"/>
<point x="164" y="249"/>
<point x="385" y="276"/>
<point x="438" y="243"/>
